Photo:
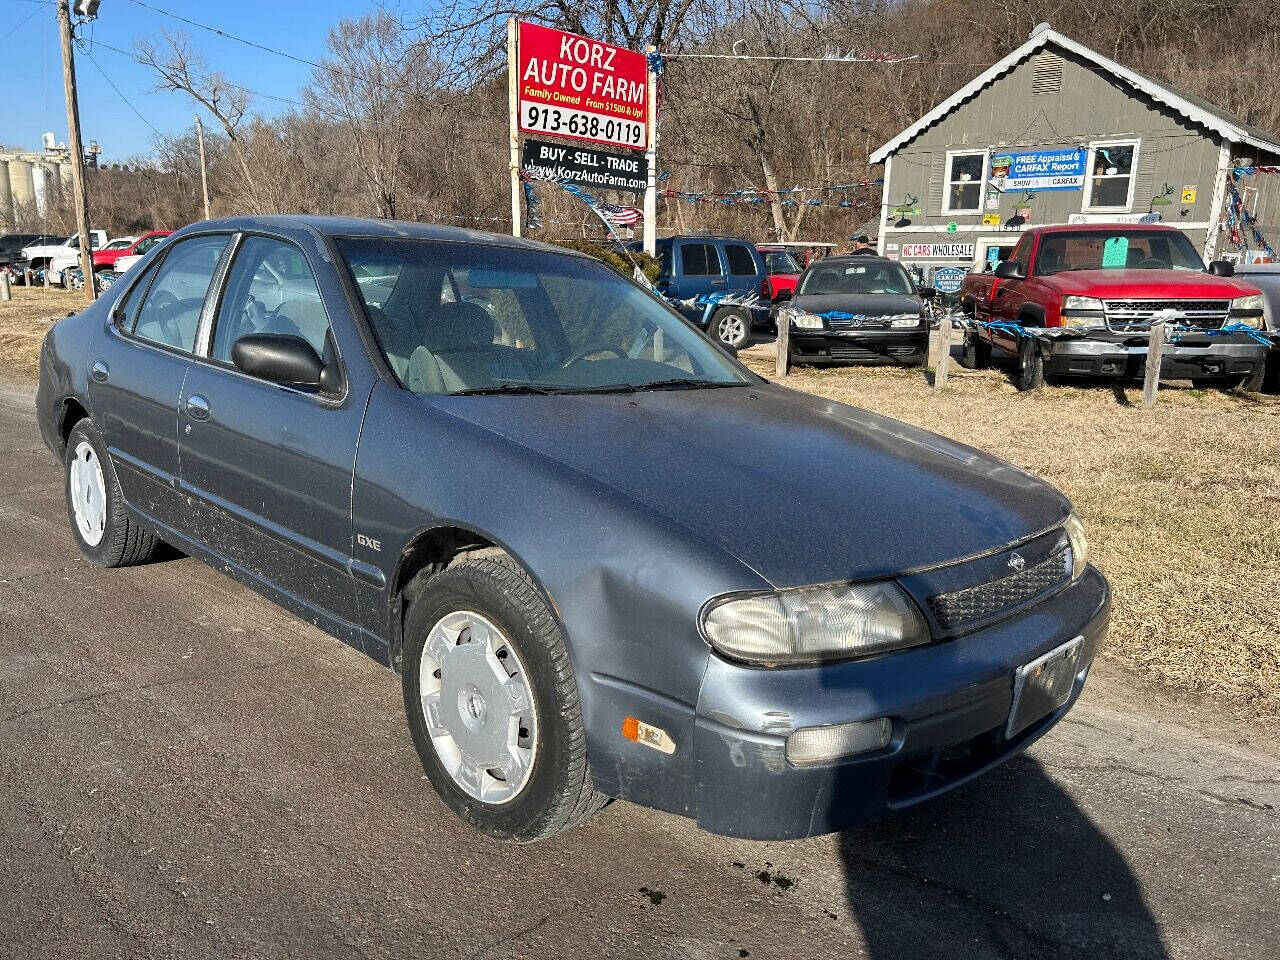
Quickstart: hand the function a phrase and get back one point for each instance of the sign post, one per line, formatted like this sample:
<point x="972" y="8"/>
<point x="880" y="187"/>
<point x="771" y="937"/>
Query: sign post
<point x="651" y="158"/>
<point x="513" y="113"/>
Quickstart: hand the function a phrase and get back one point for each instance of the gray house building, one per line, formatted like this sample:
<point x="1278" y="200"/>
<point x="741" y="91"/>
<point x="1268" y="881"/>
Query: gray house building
<point x="1057" y="133"/>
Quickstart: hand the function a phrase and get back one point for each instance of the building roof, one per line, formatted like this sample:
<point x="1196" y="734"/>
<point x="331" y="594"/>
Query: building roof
<point x="1195" y="109"/>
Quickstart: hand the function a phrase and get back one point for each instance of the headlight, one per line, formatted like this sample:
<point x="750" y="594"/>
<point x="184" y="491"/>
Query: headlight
<point x="816" y="623"/>
<point x="1250" y="306"/>
<point x="805" y="321"/>
<point x="905" y="321"/>
<point x="1079" y="545"/>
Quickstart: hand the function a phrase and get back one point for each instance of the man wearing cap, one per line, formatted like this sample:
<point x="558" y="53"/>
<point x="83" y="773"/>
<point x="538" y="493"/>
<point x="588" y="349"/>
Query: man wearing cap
<point x="862" y="244"/>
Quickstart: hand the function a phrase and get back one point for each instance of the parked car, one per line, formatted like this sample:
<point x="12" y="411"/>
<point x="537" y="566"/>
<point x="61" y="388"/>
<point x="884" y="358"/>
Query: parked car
<point x="11" y="257"/>
<point x="42" y="256"/>
<point x="716" y="282"/>
<point x="605" y="558"/>
<point x="782" y="270"/>
<point x="862" y="309"/>
<point x="144" y="246"/>
<point x="1266" y="277"/>
<point x="137" y="246"/>
<point x="1098" y="286"/>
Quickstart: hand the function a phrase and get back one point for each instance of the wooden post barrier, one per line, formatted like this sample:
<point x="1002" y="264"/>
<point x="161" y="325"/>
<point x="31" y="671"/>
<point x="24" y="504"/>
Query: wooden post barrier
<point x="782" y="363"/>
<point x="1155" y="354"/>
<point x="942" y="350"/>
<point x="5" y="292"/>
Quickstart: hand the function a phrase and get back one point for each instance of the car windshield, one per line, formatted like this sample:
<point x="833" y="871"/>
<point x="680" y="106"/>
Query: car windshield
<point x="847" y="277"/>
<point x="1116" y="250"/>
<point x="457" y="318"/>
<point x="779" y="261"/>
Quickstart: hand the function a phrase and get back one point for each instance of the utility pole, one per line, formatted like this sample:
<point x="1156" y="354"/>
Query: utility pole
<point x="204" y="177"/>
<point x="77" y="151"/>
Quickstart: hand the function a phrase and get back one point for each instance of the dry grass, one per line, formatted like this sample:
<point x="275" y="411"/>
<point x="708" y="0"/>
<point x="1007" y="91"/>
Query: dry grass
<point x="1182" y="503"/>
<point x="27" y="318"/>
<point x="1182" y="506"/>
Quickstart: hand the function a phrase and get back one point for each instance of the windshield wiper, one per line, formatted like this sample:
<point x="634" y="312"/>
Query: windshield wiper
<point x="687" y="383"/>
<point x="513" y="386"/>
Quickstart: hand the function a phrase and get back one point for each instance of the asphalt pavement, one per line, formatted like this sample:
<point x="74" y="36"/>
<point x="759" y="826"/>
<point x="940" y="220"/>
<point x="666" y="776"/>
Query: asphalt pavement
<point x="186" y="770"/>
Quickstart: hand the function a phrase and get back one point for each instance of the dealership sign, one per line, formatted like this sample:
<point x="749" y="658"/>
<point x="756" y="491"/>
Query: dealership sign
<point x="937" y="251"/>
<point x="572" y="86"/>
<point x="585" y="166"/>
<point x="1039" y="170"/>
<point x="948" y="279"/>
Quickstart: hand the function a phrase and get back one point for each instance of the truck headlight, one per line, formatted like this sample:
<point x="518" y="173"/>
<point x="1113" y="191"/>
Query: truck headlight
<point x="813" y="624"/>
<point x="1079" y="545"/>
<point x="1082" y="311"/>
<point x="805" y="321"/>
<point x="904" y="322"/>
<point x="1247" y="307"/>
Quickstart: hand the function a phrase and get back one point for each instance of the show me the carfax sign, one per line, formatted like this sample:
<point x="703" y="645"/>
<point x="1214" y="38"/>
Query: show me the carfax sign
<point x="1039" y="170"/>
<point x="572" y="86"/>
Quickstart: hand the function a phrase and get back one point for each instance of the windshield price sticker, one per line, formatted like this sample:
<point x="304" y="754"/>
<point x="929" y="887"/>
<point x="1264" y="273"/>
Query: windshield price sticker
<point x="572" y="86"/>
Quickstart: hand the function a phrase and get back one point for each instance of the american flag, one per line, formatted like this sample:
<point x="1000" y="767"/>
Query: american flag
<point x="622" y="216"/>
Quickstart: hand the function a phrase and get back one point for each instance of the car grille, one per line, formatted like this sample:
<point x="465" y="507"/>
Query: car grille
<point x="849" y="351"/>
<point x="986" y="599"/>
<point x="1133" y="314"/>
<point x="862" y="323"/>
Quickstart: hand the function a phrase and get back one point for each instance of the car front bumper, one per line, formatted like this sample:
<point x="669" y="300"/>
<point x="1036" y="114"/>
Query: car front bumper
<point x="1125" y="356"/>
<point x="948" y="703"/>
<point x="903" y="347"/>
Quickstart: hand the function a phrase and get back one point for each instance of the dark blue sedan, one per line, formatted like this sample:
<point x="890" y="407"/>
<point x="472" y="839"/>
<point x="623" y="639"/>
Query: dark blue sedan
<point x="606" y="559"/>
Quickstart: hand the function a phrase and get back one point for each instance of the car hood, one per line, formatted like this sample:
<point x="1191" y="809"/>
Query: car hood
<point x="801" y="489"/>
<point x="1144" y="284"/>
<point x="866" y="304"/>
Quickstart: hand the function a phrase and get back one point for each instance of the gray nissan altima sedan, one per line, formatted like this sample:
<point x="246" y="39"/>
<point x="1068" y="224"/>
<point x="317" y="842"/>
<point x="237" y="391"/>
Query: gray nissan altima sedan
<point x="606" y="559"/>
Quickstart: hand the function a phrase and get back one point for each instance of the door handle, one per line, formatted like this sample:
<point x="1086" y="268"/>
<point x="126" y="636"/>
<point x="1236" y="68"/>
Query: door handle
<point x="100" y="371"/>
<point x="197" y="407"/>
<point x="717" y="283"/>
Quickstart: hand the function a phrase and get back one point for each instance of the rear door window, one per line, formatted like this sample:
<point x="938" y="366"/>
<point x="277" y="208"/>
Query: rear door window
<point x="741" y="262"/>
<point x="700" y="260"/>
<point x="170" y="311"/>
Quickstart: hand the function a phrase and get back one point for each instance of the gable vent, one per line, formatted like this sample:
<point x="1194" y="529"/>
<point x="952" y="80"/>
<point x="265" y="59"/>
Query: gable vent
<point x="1047" y="76"/>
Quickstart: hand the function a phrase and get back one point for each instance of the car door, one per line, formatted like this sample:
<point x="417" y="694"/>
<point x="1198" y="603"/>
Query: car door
<point x="746" y="269"/>
<point x="699" y="272"/>
<point x="1007" y="297"/>
<point x="270" y="467"/>
<point x="137" y="366"/>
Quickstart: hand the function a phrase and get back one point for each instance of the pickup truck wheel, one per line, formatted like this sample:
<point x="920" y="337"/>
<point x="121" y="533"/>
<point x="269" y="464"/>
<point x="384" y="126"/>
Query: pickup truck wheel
<point x="492" y="703"/>
<point x="731" y="327"/>
<point x="1030" y="365"/>
<point x="103" y="530"/>
<point x="976" y="354"/>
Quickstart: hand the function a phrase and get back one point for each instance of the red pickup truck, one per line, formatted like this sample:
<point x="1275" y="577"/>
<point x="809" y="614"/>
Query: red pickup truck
<point x="1078" y="300"/>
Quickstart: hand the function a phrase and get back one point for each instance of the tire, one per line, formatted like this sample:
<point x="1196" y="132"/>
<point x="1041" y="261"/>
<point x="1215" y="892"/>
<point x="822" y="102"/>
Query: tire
<point x="103" y="529"/>
<point x="1251" y="381"/>
<point x="976" y="354"/>
<point x="494" y="595"/>
<point x="1030" y="365"/>
<point x="731" y="327"/>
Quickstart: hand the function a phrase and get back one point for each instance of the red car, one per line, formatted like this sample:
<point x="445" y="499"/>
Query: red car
<point x="1079" y="299"/>
<point x="781" y="271"/>
<point x="106" y="258"/>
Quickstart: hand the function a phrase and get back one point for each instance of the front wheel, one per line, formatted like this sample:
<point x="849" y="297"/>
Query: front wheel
<point x="976" y="354"/>
<point x="1030" y="365"/>
<point x="103" y="530"/>
<point x="492" y="703"/>
<point x="731" y="327"/>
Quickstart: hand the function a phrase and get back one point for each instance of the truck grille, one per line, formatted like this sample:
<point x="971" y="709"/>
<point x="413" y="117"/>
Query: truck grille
<point x="982" y="601"/>
<point x="1135" y="314"/>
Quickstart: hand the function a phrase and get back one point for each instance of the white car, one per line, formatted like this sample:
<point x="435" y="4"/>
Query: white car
<point x="43" y="256"/>
<point x="63" y="262"/>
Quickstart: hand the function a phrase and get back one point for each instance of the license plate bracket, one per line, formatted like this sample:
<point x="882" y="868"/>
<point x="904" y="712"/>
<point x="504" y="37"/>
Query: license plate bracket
<point x="1043" y="685"/>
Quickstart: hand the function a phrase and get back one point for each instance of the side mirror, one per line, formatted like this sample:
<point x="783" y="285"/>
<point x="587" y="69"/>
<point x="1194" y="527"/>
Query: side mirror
<point x="1222" y="268"/>
<point x="928" y="293"/>
<point x="1011" y="270"/>
<point x="281" y="358"/>
<point x="783" y="296"/>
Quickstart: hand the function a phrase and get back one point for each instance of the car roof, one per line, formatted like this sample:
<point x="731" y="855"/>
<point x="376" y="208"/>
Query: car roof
<point x="860" y="258"/>
<point x="380" y="229"/>
<point x="1076" y="227"/>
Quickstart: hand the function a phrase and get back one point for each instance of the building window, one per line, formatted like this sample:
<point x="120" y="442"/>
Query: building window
<point x="966" y="175"/>
<point x="1109" y="185"/>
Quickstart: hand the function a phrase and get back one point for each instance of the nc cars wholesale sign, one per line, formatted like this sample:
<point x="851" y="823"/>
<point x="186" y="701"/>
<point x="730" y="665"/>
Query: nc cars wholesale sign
<point x="572" y="86"/>
<point x="1040" y="170"/>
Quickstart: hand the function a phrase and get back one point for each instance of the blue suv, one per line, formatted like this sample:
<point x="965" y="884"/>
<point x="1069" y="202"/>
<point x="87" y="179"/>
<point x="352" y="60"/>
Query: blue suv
<point x="716" y="282"/>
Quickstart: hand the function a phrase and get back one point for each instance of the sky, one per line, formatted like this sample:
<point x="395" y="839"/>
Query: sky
<point x="30" y="53"/>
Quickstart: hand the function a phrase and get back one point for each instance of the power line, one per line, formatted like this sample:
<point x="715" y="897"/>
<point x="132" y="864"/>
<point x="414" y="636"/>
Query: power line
<point x="21" y="23"/>
<point x="119" y="92"/>
<point x="205" y="76"/>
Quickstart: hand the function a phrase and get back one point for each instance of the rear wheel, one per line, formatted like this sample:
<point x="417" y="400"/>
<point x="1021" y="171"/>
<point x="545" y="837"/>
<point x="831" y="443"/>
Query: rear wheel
<point x="102" y="527"/>
<point x="492" y="703"/>
<point x="731" y="327"/>
<point x="1030" y="365"/>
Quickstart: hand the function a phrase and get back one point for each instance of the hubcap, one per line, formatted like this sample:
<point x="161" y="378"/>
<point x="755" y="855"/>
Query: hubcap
<point x="731" y="329"/>
<point x="477" y="706"/>
<point x="88" y="494"/>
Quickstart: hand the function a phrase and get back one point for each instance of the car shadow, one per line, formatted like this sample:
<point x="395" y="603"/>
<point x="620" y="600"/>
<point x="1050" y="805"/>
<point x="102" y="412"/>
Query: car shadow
<point x="1009" y="866"/>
